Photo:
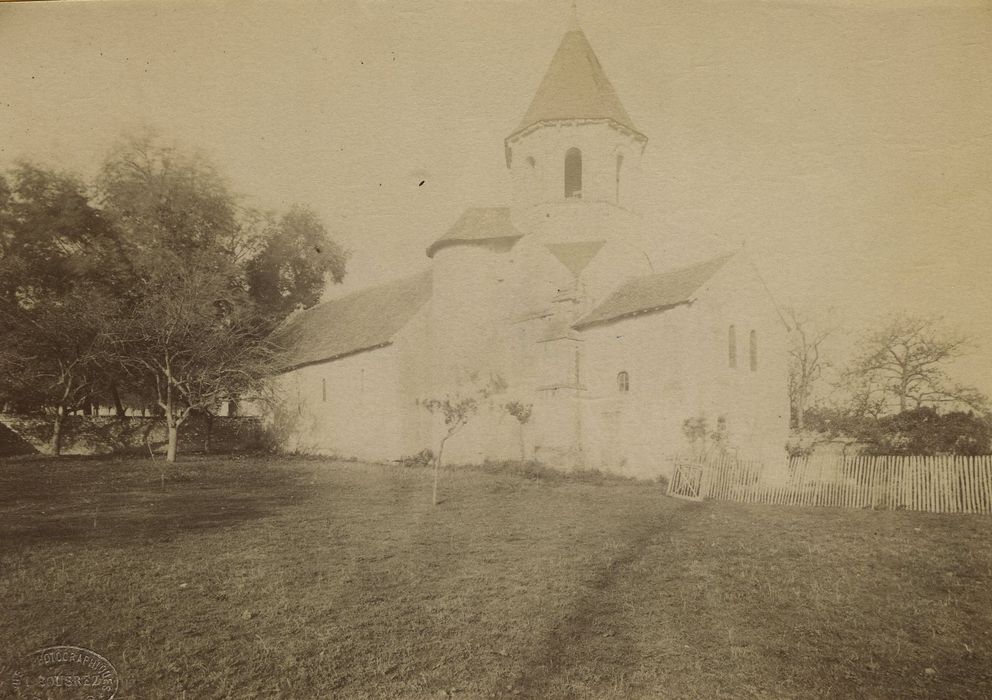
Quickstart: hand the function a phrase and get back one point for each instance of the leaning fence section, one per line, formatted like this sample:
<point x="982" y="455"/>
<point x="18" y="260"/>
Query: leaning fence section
<point x="951" y="484"/>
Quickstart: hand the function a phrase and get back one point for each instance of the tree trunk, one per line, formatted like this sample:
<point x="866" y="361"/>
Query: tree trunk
<point x="57" y="431"/>
<point x="170" y="454"/>
<point x="208" y="432"/>
<point x="118" y="405"/>
<point x="523" y="444"/>
<point x="437" y="466"/>
<point x="170" y="419"/>
<point x="800" y="415"/>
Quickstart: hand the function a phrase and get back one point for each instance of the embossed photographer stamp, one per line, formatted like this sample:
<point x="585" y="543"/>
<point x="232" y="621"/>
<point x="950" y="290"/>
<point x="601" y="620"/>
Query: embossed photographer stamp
<point x="64" y="673"/>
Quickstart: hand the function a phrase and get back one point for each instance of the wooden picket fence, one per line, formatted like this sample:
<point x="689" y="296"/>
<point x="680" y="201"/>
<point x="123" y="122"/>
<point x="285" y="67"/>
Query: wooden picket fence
<point x="951" y="484"/>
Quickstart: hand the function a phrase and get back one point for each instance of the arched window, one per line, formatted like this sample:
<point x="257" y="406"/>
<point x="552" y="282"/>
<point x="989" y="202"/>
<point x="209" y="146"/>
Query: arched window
<point x="531" y="162"/>
<point x="623" y="382"/>
<point x="732" y="346"/>
<point x="573" y="173"/>
<point x="619" y="168"/>
<point x="754" y="351"/>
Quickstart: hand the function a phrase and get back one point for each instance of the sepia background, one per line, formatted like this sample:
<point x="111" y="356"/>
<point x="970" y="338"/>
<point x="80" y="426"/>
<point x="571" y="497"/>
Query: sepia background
<point x="847" y="145"/>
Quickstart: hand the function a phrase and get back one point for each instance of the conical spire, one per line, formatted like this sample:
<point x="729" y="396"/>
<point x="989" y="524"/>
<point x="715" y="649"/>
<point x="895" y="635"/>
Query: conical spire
<point x="573" y="19"/>
<point x="575" y="85"/>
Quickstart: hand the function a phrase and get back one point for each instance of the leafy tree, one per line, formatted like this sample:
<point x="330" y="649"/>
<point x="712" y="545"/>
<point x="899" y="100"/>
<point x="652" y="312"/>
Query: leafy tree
<point x="60" y="269"/>
<point x="174" y="206"/>
<point x="169" y="205"/>
<point x="903" y="364"/>
<point x="54" y="353"/>
<point x="52" y="238"/>
<point x="164" y="290"/>
<point x="295" y="257"/>
<point x="197" y="321"/>
<point x="522" y="412"/>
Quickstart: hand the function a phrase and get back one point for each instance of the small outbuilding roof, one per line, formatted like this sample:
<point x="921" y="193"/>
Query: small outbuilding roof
<point x="361" y="321"/>
<point x="478" y="225"/>
<point x="655" y="292"/>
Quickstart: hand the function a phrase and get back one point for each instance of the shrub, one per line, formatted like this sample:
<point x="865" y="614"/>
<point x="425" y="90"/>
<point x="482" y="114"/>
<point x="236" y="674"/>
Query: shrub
<point x="919" y="431"/>
<point x="923" y="431"/>
<point x="525" y="469"/>
<point x="424" y="458"/>
<point x="663" y="482"/>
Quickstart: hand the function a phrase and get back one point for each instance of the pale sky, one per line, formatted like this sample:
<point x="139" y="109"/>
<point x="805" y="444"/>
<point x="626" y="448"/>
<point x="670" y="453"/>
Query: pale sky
<point x="848" y="144"/>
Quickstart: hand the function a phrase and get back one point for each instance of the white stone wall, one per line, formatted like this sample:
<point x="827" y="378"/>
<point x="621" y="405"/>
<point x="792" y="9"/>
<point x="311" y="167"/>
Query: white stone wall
<point x="349" y="407"/>
<point x="635" y="432"/>
<point x="755" y="402"/>
<point x="362" y="405"/>
<point x="678" y="367"/>
<point x="676" y="361"/>
<point x="470" y="343"/>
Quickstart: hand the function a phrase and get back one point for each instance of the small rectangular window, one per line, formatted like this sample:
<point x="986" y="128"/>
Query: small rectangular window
<point x="754" y="351"/>
<point x="323" y="390"/>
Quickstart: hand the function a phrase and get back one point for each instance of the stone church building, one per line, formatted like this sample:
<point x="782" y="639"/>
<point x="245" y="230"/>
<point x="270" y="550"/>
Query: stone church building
<point x="555" y="298"/>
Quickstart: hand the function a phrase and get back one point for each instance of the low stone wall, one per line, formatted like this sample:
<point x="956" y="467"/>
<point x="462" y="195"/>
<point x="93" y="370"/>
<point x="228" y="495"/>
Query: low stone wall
<point x="84" y="435"/>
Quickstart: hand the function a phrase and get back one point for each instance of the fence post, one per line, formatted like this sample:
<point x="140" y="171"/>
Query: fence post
<point x="938" y="490"/>
<point x="961" y="473"/>
<point x="945" y="485"/>
<point x="973" y="485"/>
<point x="983" y="480"/>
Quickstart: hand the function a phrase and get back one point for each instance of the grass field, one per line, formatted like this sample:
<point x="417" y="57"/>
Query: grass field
<point x="244" y="577"/>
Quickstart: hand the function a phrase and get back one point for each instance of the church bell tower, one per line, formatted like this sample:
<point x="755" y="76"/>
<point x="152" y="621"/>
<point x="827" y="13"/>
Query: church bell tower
<point x="575" y="157"/>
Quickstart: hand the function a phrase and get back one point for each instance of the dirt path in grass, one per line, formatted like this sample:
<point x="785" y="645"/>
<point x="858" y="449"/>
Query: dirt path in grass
<point x="596" y="633"/>
<point x="725" y="601"/>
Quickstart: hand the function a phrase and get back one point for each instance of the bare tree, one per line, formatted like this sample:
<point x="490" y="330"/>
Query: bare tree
<point x="903" y="364"/>
<point x="806" y="363"/>
<point x="193" y="344"/>
<point x="457" y="411"/>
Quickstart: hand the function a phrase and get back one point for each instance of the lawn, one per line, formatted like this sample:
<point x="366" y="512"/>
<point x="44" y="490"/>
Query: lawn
<point x="251" y="577"/>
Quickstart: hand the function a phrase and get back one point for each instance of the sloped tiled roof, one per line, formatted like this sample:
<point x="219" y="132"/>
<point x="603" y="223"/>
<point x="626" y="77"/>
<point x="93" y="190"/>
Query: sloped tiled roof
<point x="654" y="292"/>
<point x="575" y="87"/>
<point x="360" y="321"/>
<point x="478" y="225"/>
